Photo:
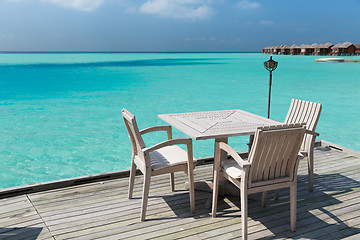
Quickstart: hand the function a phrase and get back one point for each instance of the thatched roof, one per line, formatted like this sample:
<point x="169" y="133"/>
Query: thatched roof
<point x="294" y="46"/>
<point x="285" y="47"/>
<point x="315" y="45"/>
<point x="303" y="46"/>
<point x="328" y="44"/>
<point x="321" y="46"/>
<point x="357" y="45"/>
<point x="339" y="45"/>
<point x="347" y="44"/>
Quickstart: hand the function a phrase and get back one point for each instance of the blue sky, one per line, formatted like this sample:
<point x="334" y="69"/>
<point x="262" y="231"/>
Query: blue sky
<point x="174" y="25"/>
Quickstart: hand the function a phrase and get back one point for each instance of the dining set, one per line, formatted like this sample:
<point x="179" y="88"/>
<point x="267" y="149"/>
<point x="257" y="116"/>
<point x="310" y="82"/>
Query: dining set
<point x="275" y="149"/>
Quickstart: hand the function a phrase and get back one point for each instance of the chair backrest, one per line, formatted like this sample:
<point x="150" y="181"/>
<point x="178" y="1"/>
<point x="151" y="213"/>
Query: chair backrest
<point x="274" y="153"/>
<point x="304" y="112"/>
<point x="137" y="143"/>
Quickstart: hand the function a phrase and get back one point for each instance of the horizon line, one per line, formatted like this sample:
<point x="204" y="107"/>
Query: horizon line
<point x="130" y="52"/>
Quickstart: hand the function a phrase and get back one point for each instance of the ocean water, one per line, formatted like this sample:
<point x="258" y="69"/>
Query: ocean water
<point x="61" y="113"/>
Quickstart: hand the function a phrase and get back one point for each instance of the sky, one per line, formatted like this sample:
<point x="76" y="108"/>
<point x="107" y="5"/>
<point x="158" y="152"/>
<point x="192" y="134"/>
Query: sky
<point x="174" y="25"/>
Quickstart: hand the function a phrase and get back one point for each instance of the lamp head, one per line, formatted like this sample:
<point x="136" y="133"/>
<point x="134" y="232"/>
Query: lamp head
<point x="270" y="65"/>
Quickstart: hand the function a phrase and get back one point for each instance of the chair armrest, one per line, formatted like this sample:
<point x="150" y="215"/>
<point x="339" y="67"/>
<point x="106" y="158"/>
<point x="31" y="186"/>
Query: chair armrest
<point x="166" y="143"/>
<point x="158" y="128"/>
<point x="234" y="155"/>
<point x="312" y="133"/>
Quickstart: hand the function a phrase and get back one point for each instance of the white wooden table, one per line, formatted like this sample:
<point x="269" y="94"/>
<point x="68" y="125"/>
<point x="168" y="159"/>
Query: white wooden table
<point x="219" y="125"/>
<point x="216" y="124"/>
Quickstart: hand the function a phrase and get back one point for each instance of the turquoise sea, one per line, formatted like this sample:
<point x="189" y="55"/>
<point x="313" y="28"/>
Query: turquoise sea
<point x="60" y="112"/>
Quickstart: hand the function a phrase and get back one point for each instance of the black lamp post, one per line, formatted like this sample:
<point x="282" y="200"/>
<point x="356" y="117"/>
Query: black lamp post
<point x="270" y="65"/>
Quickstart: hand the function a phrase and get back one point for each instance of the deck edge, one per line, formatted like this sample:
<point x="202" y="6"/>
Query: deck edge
<point x="68" y="182"/>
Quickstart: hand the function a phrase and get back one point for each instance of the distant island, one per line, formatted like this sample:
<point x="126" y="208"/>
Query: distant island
<point x="329" y="49"/>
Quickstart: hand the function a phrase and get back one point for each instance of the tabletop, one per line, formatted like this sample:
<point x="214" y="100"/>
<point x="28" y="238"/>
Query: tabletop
<point x="217" y="124"/>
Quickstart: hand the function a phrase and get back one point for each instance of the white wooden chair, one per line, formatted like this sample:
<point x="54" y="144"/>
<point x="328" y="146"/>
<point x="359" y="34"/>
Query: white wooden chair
<point x="162" y="158"/>
<point x="272" y="164"/>
<point x="306" y="112"/>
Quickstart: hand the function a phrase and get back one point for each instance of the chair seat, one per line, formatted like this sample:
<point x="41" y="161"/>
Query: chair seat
<point x="232" y="168"/>
<point x="168" y="156"/>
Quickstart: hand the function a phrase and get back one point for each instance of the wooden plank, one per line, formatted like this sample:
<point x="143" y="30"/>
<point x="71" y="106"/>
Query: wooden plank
<point x="128" y="220"/>
<point x="355" y="236"/>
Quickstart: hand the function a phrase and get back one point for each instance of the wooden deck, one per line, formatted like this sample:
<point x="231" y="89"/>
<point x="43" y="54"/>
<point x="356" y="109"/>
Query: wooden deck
<point x="101" y="210"/>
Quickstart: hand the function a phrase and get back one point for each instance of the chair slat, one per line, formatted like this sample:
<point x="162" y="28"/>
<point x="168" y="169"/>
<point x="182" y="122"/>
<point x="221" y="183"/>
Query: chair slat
<point x="274" y="164"/>
<point x="285" y="155"/>
<point x="270" y="160"/>
<point x="267" y="154"/>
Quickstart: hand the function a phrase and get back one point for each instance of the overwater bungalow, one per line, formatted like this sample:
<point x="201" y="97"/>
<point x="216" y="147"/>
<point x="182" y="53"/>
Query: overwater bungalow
<point x="306" y="49"/>
<point x="295" y="49"/>
<point x="328" y="45"/>
<point x="320" y="49"/>
<point x="357" y="49"/>
<point x="346" y="48"/>
<point x="316" y="48"/>
<point x="327" y="48"/>
<point x="337" y="49"/>
<point x="277" y="49"/>
<point x="285" y="50"/>
<point x="271" y="49"/>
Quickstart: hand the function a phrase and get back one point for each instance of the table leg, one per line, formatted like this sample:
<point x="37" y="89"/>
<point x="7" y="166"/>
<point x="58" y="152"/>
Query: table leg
<point x="216" y="166"/>
<point x="225" y="186"/>
<point x="208" y="185"/>
<point x="251" y="140"/>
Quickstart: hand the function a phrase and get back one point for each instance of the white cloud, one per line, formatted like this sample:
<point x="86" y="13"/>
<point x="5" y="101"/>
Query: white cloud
<point x="178" y="9"/>
<point x="83" y="5"/>
<point x="246" y="4"/>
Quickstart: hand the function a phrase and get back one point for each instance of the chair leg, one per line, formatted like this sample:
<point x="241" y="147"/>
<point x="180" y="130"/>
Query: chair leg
<point x="146" y="188"/>
<point x="276" y="194"/>
<point x="191" y="189"/>
<point x="310" y="159"/>
<point x="263" y="199"/>
<point x="172" y="182"/>
<point x="244" y="212"/>
<point x="293" y="200"/>
<point x="215" y="193"/>
<point x="222" y="184"/>
<point x="132" y="178"/>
